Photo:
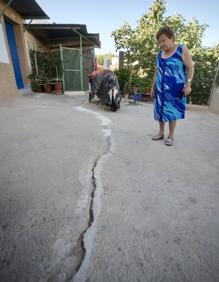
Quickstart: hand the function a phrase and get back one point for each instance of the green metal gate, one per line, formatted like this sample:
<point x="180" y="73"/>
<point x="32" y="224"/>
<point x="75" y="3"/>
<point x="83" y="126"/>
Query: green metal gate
<point x="76" y="67"/>
<point x="88" y="65"/>
<point x="71" y="69"/>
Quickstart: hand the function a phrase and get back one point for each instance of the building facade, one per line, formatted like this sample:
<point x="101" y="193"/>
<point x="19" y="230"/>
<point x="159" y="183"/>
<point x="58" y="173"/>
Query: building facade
<point x="14" y="65"/>
<point x="18" y="36"/>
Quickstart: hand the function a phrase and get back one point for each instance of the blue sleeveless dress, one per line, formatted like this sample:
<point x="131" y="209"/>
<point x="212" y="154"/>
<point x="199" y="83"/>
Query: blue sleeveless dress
<point x="170" y="80"/>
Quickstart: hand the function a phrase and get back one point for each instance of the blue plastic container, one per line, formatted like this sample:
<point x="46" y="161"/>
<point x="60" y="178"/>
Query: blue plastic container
<point x="137" y="97"/>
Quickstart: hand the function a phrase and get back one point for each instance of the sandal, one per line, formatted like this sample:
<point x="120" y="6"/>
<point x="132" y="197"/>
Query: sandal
<point x="169" y="142"/>
<point x="157" y="137"/>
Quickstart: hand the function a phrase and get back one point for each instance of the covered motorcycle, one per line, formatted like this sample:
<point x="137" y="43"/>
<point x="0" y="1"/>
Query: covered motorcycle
<point x="104" y="84"/>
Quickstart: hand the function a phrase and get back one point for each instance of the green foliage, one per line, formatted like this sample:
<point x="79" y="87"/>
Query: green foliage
<point x="49" y="64"/>
<point x="140" y="43"/>
<point x="188" y="33"/>
<point x="100" y="59"/>
<point x="49" y="67"/>
<point x="141" y="47"/>
<point x="206" y="62"/>
<point x="129" y="80"/>
<point x="123" y="76"/>
<point x="35" y="85"/>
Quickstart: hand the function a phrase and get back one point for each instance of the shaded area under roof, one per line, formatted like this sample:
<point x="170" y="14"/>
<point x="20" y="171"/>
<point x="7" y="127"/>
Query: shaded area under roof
<point x="28" y="9"/>
<point x="53" y="34"/>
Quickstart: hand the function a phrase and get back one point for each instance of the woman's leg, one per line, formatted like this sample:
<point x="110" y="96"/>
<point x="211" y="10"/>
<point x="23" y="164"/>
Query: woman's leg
<point x="172" y="125"/>
<point x="162" y="125"/>
<point x="160" y="135"/>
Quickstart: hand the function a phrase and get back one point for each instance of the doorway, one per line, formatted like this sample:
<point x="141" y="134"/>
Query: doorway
<point x="14" y="54"/>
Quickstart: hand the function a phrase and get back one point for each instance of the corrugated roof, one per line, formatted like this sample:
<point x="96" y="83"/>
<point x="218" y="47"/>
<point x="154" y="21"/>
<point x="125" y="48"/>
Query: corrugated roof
<point x="55" y="28"/>
<point x="28" y="9"/>
<point x="49" y="33"/>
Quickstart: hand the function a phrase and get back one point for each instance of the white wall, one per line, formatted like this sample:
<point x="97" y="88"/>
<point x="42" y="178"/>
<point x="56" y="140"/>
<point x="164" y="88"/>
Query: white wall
<point x="214" y="103"/>
<point x="3" y="50"/>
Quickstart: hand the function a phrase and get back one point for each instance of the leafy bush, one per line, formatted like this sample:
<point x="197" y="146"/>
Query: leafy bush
<point x="206" y="61"/>
<point x="129" y="80"/>
<point x="49" y="64"/>
<point x="141" y="48"/>
<point x="123" y="76"/>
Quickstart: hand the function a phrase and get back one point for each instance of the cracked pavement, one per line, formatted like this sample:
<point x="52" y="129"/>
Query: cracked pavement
<point x="86" y="195"/>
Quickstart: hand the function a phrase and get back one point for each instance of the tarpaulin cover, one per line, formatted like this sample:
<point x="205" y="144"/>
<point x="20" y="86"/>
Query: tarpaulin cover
<point x="103" y="84"/>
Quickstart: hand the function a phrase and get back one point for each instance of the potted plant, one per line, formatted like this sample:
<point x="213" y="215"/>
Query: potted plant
<point x="47" y="85"/>
<point x="58" y="86"/>
<point x="35" y="86"/>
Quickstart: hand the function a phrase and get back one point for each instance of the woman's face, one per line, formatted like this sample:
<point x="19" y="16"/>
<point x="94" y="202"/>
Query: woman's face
<point x="165" y="43"/>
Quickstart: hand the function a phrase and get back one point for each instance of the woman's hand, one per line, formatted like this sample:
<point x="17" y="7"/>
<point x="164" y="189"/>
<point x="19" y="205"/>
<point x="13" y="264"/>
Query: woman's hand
<point x="187" y="89"/>
<point x="152" y="92"/>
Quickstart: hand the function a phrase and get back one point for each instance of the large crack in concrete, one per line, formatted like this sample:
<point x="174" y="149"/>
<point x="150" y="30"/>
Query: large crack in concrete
<point x="87" y="236"/>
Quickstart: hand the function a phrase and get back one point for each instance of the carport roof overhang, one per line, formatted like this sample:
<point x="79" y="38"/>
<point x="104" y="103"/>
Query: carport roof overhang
<point x="53" y="34"/>
<point x="28" y="9"/>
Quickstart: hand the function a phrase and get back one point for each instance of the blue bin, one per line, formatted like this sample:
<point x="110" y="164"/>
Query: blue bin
<point x="137" y="97"/>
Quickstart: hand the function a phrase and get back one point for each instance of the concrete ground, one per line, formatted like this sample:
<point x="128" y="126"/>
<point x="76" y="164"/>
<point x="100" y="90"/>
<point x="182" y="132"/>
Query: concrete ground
<point x="86" y="195"/>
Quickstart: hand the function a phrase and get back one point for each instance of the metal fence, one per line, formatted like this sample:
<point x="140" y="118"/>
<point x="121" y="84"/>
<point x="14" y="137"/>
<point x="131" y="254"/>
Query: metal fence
<point x="76" y="67"/>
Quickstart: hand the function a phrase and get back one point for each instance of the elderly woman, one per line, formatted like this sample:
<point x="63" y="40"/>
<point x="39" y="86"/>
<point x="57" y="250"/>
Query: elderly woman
<point x="172" y="82"/>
